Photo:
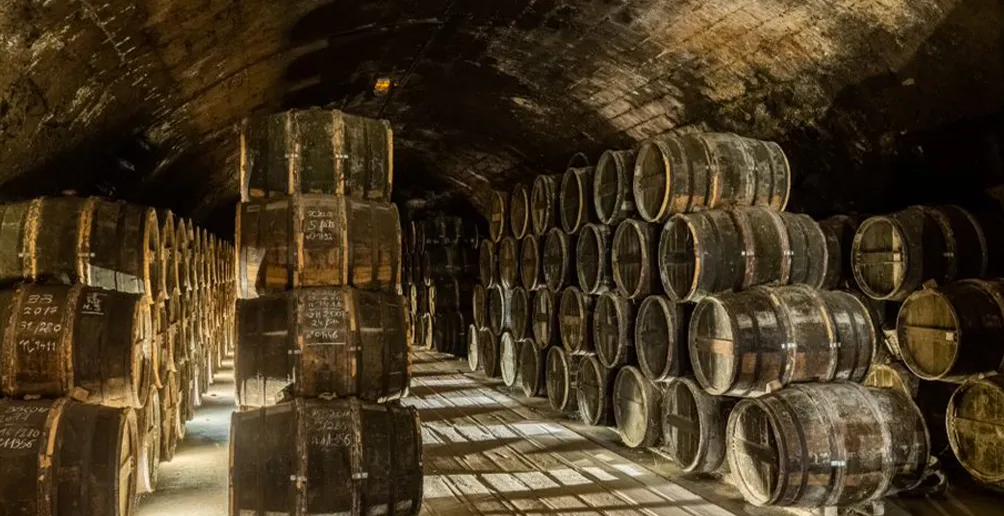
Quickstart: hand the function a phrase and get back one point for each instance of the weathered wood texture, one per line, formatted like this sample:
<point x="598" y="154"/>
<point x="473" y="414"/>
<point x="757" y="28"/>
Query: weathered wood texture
<point x="561" y="375"/>
<point x="660" y="338"/>
<point x="326" y="457"/>
<point x="519" y="211"/>
<point x="693" y="426"/>
<point x="499" y="317"/>
<point x="593" y="266"/>
<point x="633" y="258"/>
<point x="487" y="263"/>
<point x="473" y="349"/>
<point x="594" y="395"/>
<point x="449" y="333"/>
<point x="447" y="262"/>
<point x="508" y="259"/>
<point x="531" y="266"/>
<point x="148" y="426"/>
<point x="316" y="151"/>
<point x="489" y="342"/>
<point x="509" y="359"/>
<point x="974" y="420"/>
<point x="575" y="199"/>
<point x="498" y="214"/>
<point x="575" y="316"/>
<point x="544" y="204"/>
<point x="544" y="318"/>
<point x="479" y="305"/>
<point x="532" y="368"/>
<point x="520" y="313"/>
<point x="613" y="330"/>
<point x="637" y="408"/>
<point x="559" y="259"/>
<point x="613" y="196"/>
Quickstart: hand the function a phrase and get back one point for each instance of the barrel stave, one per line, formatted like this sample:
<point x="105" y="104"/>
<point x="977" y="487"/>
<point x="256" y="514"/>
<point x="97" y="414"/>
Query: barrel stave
<point x="613" y="330"/>
<point x="613" y="197"/>
<point x="633" y="258"/>
<point x="593" y="264"/>
<point x="594" y="394"/>
<point x="558" y="259"/>
<point x="575" y="316"/>
<point x="637" y="408"/>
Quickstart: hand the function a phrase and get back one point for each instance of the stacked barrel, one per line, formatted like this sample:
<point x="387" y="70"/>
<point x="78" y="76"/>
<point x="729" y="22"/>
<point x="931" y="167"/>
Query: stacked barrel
<point x="323" y="345"/>
<point x="87" y="371"/>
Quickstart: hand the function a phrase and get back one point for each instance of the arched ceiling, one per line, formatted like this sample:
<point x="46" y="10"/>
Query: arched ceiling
<point x="138" y="98"/>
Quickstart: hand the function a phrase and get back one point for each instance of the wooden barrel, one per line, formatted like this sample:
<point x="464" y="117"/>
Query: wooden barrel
<point x="893" y="375"/>
<point x="693" y="426"/>
<point x="694" y="172"/>
<point x="519" y="211"/>
<point x="613" y="330"/>
<point x="13" y="266"/>
<point x="594" y="394"/>
<point x="561" y="375"/>
<point x="545" y="320"/>
<point x="954" y="331"/>
<point x="809" y="252"/>
<point x="637" y="408"/>
<point x="974" y="418"/>
<point x="498" y="308"/>
<point x="660" y="339"/>
<point x="61" y="457"/>
<point x="767" y="248"/>
<point x="316" y="151"/>
<point x="448" y="230"/>
<point x="531" y="267"/>
<point x="575" y="199"/>
<point x="487" y="263"/>
<point x="839" y="231"/>
<point x="425" y="327"/>
<point x="822" y="445"/>
<point x="701" y="254"/>
<point x="170" y="416"/>
<point x="892" y="255"/>
<point x="509" y="358"/>
<point x="592" y="253"/>
<point x="318" y="341"/>
<point x="445" y="262"/>
<point x="451" y="295"/>
<point x="473" y="348"/>
<point x="508" y="259"/>
<point x="168" y="252"/>
<point x="544" y="204"/>
<point x="751" y="342"/>
<point x="347" y="456"/>
<point x="532" y="368"/>
<point x="479" y="305"/>
<point x="489" y="355"/>
<point x="90" y="344"/>
<point x="449" y="333"/>
<point x="632" y="257"/>
<point x="519" y="313"/>
<point x="148" y="427"/>
<point x="613" y="197"/>
<point x="318" y="241"/>
<point x="497" y="215"/>
<point x="183" y="241"/>
<point x="559" y="259"/>
<point x="575" y="321"/>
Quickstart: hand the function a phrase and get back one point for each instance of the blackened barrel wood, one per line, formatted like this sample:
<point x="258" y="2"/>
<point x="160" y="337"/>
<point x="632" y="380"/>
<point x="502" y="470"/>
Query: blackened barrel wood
<point x="954" y="331"/>
<point x="489" y="342"/>
<point x="520" y="313"/>
<point x="545" y="318"/>
<point x="519" y="211"/>
<point x="452" y="295"/>
<point x="575" y="316"/>
<point x="613" y="197"/>
<point x="508" y="259"/>
<point x="594" y="395"/>
<point x="531" y="266"/>
<point x="450" y="261"/>
<point x="498" y="308"/>
<point x="839" y="231"/>
<point x="693" y="426"/>
<point x="509" y="358"/>
<point x="808" y="250"/>
<point x="592" y="265"/>
<point x="346" y="456"/>
<point x="561" y="375"/>
<point x="318" y="240"/>
<point x="316" y="151"/>
<point x="532" y="368"/>
<point x="473" y="348"/>
<point x="613" y="330"/>
<point x="90" y="344"/>
<point x="498" y="213"/>
<point x="633" y="258"/>
<point x="65" y="458"/>
<point x="575" y="199"/>
<point x="449" y="333"/>
<point x="487" y="263"/>
<point x="694" y="172"/>
<point x="559" y="259"/>
<point x="751" y="342"/>
<point x="768" y="255"/>
<point x="782" y="443"/>
<point x="660" y="339"/>
<point x="544" y="204"/>
<point x="974" y="420"/>
<point x="637" y="408"/>
<point x="314" y="341"/>
<point x="701" y="254"/>
<point x="479" y="305"/>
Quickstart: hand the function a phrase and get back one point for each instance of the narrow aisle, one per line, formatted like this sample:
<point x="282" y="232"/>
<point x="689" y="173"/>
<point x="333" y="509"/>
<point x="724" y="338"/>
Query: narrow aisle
<point x="196" y="482"/>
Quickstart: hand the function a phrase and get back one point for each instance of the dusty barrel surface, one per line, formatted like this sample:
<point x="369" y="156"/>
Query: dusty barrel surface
<point x="613" y="330"/>
<point x="953" y="331"/>
<point x="701" y="254"/>
<point x="489" y="354"/>
<point x="974" y="419"/>
<point x="487" y="263"/>
<point x="499" y="317"/>
<point x="747" y="343"/>
<point x="808" y="249"/>
<point x="575" y="316"/>
<point x="532" y="368"/>
<point x="561" y="375"/>
<point x="545" y="320"/>
<point x="575" y="199"/>
<point x="613" y="197"/>
<point x="316" y="151"/>
<point x="349" y="456"/>
<point x="782" y="446"/>
<point x="594" y="394"/>
<point x="519" y="313"/>
<point x="694" y="172"/>
<point x="479" y="305"/>
<point x="509" y="355"/>
<point x="90" y="344"/>
<point x="473" y="348"/>
<point x="340" y="341"/>
<point x="660" y="339"/>
<point x="633" y="258"/>
<point x="531" y="270"/>
<point x="317" y="240"/>
<point x="498" y="212"/>
<point x="839" y="231"/>
<point x="519" y="211"/>
<point x="544" y="204"/>
<point x="593" y="265"/>
<point x="148" y="426"/>
<point x="559" y="260"/>
<point x="768" y="255"/>
<point x="61" y="458"/>
<point x="508" y="259"/>
<point x="637" y="408"/>
<point x="693" y="426"/>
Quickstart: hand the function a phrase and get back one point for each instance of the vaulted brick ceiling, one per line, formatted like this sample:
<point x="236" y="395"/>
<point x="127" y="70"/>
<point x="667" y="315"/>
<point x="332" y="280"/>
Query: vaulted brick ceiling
<point x="138" y="98"/>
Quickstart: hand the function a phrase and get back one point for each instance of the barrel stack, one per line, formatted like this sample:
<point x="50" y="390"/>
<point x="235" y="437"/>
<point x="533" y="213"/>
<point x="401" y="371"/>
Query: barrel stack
<point x="323" y="339"/>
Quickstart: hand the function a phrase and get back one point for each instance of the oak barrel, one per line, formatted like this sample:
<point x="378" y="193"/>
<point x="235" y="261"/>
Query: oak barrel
<point x="508" y="259"/>
<point x="545" y="318"/>
<point x="451" y="295"/>
<point x="531" y="267"/>
<point x="694" y="172"/>
<point x="325" y="340"/>
<point x="519" y="313"/>
<point x="498" y="308"/>
<point x="954" y="331"/>
<point x="443" y="262"/>
<point x="974" y="418"/>
<point x="826" y="445"/>
<point x="561" y="375"/>
<point x="637" y="408"/>
<point x="701" y="254"/>
<point x="473" y="348"/>
<point x="168" y="252"/>
<point x="487" y="263"/>
<point x="346" y="456"/>
<point x="613" y="330"/>
<point x="559" y="259"/>
<point x="594" y="394"/>
<point x="519" y="211"/>
<point x="808" y="250"/>
<point x="170" y="416"/>
<point x="317" y="240"/>
<point x="489" y="355"/>
<point x="86" y="343"/>
<point x="575" y="199"/>
<point x="633" y="258"/>
<point x="693" y="426"/>
<point x="14" y="266"/>
<point x="449" y="333"/>
<point x="660" y="339"/>
<point x="613" y="197"/>
<point x="575" y="317"/>
<point x="498" y="213"/>
<point x="544" y="203"/>
<point x="593" y="266"/>
<point x="479" y="305"/>
<point x="532" y="368"/>
<point x="751" y="342"/>
<point x="64" y="458"/>
<point x="509" y="358"/>
<point x="148" y="427"/>
<point x="839" y="231"/>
